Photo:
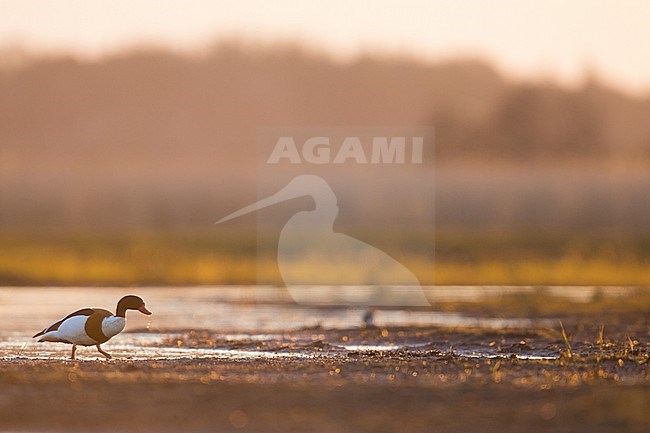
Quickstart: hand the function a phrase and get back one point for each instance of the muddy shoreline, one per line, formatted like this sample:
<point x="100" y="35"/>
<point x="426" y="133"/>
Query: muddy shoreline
<point x="414" y="379"/>
<point x="216" y="360"/>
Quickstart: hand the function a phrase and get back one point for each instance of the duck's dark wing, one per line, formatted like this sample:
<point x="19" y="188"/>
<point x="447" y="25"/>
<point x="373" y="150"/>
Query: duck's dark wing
<point x="54" y="326"/>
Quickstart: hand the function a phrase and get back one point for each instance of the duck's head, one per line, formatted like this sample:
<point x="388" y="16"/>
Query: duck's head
<point x="131" y="302"/>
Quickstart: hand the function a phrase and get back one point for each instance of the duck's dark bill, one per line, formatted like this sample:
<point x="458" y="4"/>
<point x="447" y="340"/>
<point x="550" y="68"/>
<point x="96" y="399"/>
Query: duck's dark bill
<point x="143" y="310"/>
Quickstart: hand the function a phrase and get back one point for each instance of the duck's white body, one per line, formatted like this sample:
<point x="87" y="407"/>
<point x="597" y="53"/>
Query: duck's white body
<point x="111" y="326"/>
<point x="73" y="330"/>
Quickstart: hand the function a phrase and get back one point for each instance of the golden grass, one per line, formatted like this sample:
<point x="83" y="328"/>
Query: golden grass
<point x="232" y="257"/>
<point x="567" y="343"/>
<point x="539" y="271"/>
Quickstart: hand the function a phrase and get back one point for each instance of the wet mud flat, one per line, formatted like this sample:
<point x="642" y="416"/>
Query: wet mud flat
<point x="319" y="379"/>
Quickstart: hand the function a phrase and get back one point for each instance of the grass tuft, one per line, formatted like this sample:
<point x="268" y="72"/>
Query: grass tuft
<point x="567" y="343"/>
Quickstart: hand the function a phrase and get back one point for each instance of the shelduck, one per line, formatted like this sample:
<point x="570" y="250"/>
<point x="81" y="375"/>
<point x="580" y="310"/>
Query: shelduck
<point x="92" y="326"/>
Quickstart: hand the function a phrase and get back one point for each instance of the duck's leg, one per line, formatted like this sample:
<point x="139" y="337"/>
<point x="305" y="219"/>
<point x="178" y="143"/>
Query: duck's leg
<point x="74" y="349"/>
<point x="107" y="355"/>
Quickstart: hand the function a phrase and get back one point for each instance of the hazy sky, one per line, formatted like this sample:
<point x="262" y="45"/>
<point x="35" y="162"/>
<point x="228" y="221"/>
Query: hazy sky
<point x="556" y="39"/>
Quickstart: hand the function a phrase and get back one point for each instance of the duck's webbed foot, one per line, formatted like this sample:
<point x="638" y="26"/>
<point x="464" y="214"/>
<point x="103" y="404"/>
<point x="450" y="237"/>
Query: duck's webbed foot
<point x="107" y="355"/>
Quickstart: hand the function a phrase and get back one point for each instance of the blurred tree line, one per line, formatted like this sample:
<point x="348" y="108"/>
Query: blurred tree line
<point x="157" y="139"/>
<point x="156" y="104"/>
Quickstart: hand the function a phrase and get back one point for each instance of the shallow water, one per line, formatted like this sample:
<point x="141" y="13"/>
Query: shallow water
<point x="224" y="309"/>
<point x="140" y="347"/>
<point x="235" y="314"/>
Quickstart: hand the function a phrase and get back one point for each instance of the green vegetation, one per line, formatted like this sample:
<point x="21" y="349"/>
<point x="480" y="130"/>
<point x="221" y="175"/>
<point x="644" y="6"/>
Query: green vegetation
<point x="239" y="257"/>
